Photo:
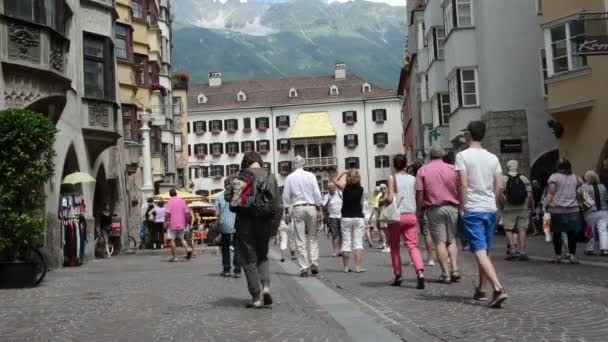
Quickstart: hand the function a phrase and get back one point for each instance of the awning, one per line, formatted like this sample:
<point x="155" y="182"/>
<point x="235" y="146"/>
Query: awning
<point x="186" y="196"/>
<point x="312" y="125"/>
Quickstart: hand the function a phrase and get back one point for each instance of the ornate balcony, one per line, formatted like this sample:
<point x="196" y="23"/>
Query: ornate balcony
<point x="322" y="162"/>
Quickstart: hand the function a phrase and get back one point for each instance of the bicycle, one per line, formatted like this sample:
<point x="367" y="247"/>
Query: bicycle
<point x="132" y="242"/>
<point x="33" y="255"/>
<point x="104" y="248"/>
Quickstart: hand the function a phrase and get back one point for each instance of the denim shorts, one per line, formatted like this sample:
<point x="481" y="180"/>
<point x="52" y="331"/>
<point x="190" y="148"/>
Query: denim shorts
<point x="564" y="223"/>
<point x="479" y="229"/>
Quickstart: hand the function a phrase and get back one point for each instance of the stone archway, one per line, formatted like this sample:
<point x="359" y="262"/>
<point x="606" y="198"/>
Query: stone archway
<point x="544" y="166"/>
<point x="602" y="164"/>
<point x="105" y="192"/>
<point x="70" y="165"/>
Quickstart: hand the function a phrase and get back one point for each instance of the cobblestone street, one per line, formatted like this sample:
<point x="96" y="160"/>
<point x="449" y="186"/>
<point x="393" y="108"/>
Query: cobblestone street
<point x="144" y="298"/>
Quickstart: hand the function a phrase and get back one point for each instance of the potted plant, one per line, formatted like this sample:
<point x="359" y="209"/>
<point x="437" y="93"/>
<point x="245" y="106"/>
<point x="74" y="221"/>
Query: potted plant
<point x="263" y="152"/>
<point x="159" y="87"/>
<point x="200" y="156"/>
<point x="215" y="131"/>
<point x="199" y="132"/>
<point x="247" y="130"/>
<point x="26" y="163"/>
<point x="262" y="129"/>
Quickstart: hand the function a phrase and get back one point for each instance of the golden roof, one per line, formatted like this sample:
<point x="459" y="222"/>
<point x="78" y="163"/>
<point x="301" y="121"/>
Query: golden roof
<point x="312" y="125"/>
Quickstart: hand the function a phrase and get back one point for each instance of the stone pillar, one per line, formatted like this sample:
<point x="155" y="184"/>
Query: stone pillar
<point x="147" y="189"/>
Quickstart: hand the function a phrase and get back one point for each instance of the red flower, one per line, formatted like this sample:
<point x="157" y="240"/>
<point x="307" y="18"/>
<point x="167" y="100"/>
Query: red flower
<point x="200" y="132"/>
<point x="284" y="150"/>
<point x="232" y="154"/>
<point x="262" y="129"/>
<point x="216" y="155"/>
<point x="200" y="156"/>
<point x="263" y="152"/>
<point x="283" y="127"/>
<point x="215" y="132"/>
<point x="231" y="131"/>
<point x="380" y="145"/>
<point x="351" y="146"/>
<point x="247" y="130"/>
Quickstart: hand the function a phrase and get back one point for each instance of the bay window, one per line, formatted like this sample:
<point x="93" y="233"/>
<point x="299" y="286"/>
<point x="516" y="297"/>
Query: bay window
<point x="436" y="39"/>
<point x="45" y="12"/>
<point x="98" y="67"/>
<point x="124" y="42"/>
<point x="457" y="14"/>
<point x="463" y="86"/>
<point x="138" y="7"/>
<point x="562" y="50"/>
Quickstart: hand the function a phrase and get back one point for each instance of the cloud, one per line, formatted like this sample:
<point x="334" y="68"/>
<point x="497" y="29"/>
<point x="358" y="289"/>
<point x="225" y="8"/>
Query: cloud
<point x="390" y="2"/>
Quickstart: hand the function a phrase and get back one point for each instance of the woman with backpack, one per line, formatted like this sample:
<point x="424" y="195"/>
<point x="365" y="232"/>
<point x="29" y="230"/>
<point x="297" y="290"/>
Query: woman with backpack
<point x="597" y="216"/>
<point x="254" y="196"/>
<point x="563" y="205"/>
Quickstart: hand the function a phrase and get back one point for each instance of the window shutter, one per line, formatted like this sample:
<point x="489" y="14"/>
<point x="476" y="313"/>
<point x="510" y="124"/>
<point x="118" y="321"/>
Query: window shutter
<point x="221" y="148"/>
<point x="226" y="123"/>
<point x="288" y="144"/>
<point x="257" y="123"/>
<point x="375" y="138"/>
<point x="459" y="86"/>
<point x="236" y="124"/>
<point x="236" y="147"/>
<point x="257" y="145"/>
<point x="188" y="126"/>
<point x="247" y="123"/>
<point x="434" y="42"/>
<point x="346" y="140"/>
<point x="355" y="116"/>
<point x="221" y="126"/>
<point x="277" y="121"/>
<point x="343" y="117"/>
<point x="278" y="144"/>
<point x="109" y="67"/>
<point x="385" y="138"/>
<point x="289" y="166"/>
<point x="454" y="14"/>
<point x="189" y="150"/>
<point x="356" y="140"/>
<point x="204" y="125"/>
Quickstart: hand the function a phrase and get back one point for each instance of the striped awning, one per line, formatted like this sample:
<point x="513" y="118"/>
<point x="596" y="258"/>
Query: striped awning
<point x="312" y="125"/>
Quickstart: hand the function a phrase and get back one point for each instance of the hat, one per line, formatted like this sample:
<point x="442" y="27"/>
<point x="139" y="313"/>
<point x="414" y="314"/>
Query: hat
<point x="437" y="151"/>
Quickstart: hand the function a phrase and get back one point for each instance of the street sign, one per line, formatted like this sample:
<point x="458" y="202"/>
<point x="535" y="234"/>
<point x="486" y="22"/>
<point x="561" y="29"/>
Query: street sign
<point x="594" y="45"/>
<point x="511" y="146"/>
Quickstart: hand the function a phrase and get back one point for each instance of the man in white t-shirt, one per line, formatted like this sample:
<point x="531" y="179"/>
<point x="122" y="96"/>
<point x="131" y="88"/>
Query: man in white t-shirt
<point x="332" y="207"/>
<point x="481" y="193"/>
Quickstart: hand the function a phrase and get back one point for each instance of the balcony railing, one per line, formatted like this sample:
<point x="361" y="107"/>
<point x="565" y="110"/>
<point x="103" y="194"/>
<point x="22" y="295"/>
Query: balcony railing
<point x="321" y="162"/>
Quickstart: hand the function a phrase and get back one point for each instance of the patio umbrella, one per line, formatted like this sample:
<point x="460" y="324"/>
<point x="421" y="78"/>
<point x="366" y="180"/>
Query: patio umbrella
<point x="200" y="204"/>
<point x="186" y="196"/>
<point x="77" y="178"/>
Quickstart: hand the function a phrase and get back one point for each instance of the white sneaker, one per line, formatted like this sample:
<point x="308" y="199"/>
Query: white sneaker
<point x="386" y="250"/>
<point x="231" y="249"/>
<point x="430" y="263"/>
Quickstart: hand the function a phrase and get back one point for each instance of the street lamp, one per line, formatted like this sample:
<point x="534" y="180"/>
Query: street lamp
<point x="147" y="189"/>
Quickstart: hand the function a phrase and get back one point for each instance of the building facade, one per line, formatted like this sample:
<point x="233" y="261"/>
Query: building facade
<point x="468" y="69"/>
<point x="180" y="114"/>
<point x="334" y="122"/>
<point x="143" y="53"/>
<point x="58" y="59"/>
<point x="576" y="84"/>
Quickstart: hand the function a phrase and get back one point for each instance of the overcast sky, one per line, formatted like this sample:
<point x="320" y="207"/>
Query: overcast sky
<point x="390" y="2"/>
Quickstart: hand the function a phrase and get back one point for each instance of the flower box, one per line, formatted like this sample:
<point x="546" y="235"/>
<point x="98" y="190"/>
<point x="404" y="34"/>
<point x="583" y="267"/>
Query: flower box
<point x="284" y="151"/>
<point x="232" y="154"/>
<point x="283" y="127"/>
<point x="247" y="130"/>
<point x="199" y="132"/>
<point x="263" y="152"/>
<point x="231" y="131"/>
<point x="216" y="155"/>
<point x="350" y="123"/>
<point x="217" y="176"/>
<point x="158" y="87"/>
<point x="200" y="156"/>
<point x="380" y="145"/>
<point x="215" y="132"/>
<point x="351" y="146"/>
<point x="379" y="121"/>
<point x="284" y="173"/>
<point x="262" y="129"/>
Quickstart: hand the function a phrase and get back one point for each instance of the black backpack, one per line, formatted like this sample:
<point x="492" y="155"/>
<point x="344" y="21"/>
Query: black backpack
<point x="516" y="191"/>
<point x="246" y="196"/>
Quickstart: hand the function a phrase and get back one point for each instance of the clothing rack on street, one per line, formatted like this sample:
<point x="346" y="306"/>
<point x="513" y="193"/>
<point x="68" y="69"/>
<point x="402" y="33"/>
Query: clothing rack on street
<point x="71" y="213"/>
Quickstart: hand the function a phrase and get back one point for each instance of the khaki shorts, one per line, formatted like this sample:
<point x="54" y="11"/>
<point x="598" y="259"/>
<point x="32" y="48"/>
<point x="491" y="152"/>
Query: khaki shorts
<point x="175" y="234"/>
<point x="443" y="223"/>
<point x="515" y="220"/>
<point x="424" y="224"/>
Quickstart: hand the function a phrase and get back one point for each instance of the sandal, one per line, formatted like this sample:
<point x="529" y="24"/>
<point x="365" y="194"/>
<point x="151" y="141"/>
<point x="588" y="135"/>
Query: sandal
<point x="443" y="279"/>
<point x="455" y="276"/>
<point x="347" y="270"/>
<point x="361" y="271"/>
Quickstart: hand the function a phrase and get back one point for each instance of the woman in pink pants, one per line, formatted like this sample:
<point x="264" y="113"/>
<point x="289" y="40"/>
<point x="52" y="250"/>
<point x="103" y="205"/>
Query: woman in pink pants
<point x="402" y="188"/>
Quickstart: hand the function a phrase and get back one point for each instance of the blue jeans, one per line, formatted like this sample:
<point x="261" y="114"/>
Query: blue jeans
<point x="479" y="229"/>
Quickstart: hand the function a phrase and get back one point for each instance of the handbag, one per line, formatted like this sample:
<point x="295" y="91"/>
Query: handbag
<point x="390" y="214"/>
<point x="584" y="199"/>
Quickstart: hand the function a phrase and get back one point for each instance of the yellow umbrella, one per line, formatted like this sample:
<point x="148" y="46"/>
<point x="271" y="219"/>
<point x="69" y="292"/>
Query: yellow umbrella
<point x="200" y="204"/>
<point x="214" y="197"/>
<point x="186" y="196"/>
<point x="77" y="178"/>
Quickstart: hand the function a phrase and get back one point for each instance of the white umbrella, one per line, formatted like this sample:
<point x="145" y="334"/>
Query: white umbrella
<point x="77" y="178"/>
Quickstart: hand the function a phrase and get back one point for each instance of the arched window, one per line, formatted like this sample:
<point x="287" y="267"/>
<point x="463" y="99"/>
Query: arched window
<point x="201" y="99"/>
<point x="333" y="90"/>
<point x="241" y="97"/>
<point x="293" y="93"/>
<point x="366" y="88"/>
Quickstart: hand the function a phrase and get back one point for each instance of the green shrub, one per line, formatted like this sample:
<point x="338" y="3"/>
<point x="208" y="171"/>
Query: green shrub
<point x="26" y="163"/>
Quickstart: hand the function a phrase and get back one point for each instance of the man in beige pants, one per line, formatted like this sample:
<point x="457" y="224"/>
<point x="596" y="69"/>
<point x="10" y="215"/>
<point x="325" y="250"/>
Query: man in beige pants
<point x="301" y="193"/>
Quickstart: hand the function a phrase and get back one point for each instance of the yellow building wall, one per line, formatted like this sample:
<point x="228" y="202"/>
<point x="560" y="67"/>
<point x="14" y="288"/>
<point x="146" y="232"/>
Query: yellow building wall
<point x="183" y="94"/>
<point x="555" y="9"/>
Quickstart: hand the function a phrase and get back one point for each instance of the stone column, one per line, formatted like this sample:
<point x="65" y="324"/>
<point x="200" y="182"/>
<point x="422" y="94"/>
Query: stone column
<point x="147" y="189"/>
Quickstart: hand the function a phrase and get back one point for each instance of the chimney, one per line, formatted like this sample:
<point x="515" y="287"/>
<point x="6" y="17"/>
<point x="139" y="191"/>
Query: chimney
<point x="340" y="71"/>
<point x="215" y="79"/>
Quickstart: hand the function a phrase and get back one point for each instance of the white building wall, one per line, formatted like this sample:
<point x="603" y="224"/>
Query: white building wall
<point x="364" y="128"/>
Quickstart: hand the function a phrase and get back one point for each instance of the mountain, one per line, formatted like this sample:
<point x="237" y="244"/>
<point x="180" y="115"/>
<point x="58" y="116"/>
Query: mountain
<point x="278" y="38"/>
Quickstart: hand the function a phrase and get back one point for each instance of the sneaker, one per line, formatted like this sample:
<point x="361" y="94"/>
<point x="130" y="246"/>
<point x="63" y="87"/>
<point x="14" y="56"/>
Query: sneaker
<point x="226" y="274"/>
<point x="558" y="259"/>
<point x="420" y="281"/>
<point x="497" y="299"/>
<point x="254" y="304"/>
<point x="314" y="269"/>
<point x="589" y="253"/>
<point x="524" y="257"/>
<point x="386" y="250"/>
<point x="512" y="257"/>
<point x="237" y="275"/>
<point x="480" y="295"/>
<point x="304" y="273"/>
<point x="430" y="263"/>
<point x="267" y="299"/>
<point x="573" y="260"/>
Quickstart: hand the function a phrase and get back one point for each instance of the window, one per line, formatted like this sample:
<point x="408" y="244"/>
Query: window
<point x="217" y="149"/>
<point x="247" y="146"/>
<point x="351" y="140"/>
<point x="241" y="97"/>
<point x="283" y="145"/>
<point x="177" y="106"/>
<point x="436" y="42"/>
<point x="232" y="148"/>
<point x="141" y="69"/>
<point x="205" y="171"/>
<point x="123" y="42"/>
<point x="178" y="142"/>
<point x="139" y="9"/>
<point x="217" y="171"/>
<point x="380" y="139"/>
<point x="349" y="117"/>
<point x="200" y="150"/>
<point x="285" y="168"/>
<point x="262" y="124"/>
<point x="565" y="40"/>
<point x="232" y="125"/>
<point x="313" y="151"/>
<point x="201" y="99"/>
<point x="200" y="127"/>
<point x="382" y="162"/>
<point x="543" y="68"/>
<point x="268" y="167"/>
<point x="98" y="67"/>
<point x="333" y="90"/>
<point x="155" y="139"/>
<point x="379" y="115"/>
<point x="130" y="124"/>
<point x="351" y="163"/>
<point x="282" y="121"/>
<point x="539" y="7"/>
<point x="263" y="146"/>
<point x="44" y="12"/>
<point x="444" y="108"/>
<point x="366" y="88"/>
<point x="327" y="150"/>
<point x="457" y="13"/>
<point x="293" y="93"/>
<point x="463" y="89"/>
<point x="215" y="126"/>
<point x="180" y="178"/>
<point x="247" y="124"/>
<point x="195" y="172"/>
<point x="232" y="169"/>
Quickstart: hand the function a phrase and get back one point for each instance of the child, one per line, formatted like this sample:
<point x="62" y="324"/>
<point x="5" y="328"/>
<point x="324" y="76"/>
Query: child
<point x="367" y="214"/>
<point x="286" y="237"/>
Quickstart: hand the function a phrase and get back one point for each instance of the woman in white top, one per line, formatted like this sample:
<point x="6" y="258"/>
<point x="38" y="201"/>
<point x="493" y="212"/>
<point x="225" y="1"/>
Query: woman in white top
<point x="402" y="188"/>
<point x="159" y="223"/>
<point x="367" y="215"/>
<point x="597" y="216"/>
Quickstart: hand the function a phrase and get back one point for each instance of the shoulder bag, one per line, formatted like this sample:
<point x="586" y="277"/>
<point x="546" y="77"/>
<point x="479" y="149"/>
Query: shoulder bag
<point x="390" y="214"/>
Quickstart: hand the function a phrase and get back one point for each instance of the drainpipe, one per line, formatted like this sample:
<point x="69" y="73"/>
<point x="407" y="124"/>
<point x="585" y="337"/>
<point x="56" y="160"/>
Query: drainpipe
<point x="366" y="147"/>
